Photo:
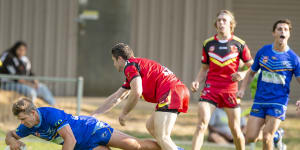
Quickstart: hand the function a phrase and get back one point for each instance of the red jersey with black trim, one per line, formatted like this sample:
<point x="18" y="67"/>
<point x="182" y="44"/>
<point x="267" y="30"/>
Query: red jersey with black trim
<point x="156" y="79"/>
<point x="223" y="57"/>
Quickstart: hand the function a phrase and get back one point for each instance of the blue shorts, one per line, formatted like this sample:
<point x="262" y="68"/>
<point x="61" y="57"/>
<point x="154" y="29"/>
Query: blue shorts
<point x="100" y="136"/>
<point x="261" y="110"/>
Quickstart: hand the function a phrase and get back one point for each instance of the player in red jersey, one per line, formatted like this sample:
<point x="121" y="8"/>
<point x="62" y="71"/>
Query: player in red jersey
<point x="219" y="70"/>
<point x="156" y="84"/>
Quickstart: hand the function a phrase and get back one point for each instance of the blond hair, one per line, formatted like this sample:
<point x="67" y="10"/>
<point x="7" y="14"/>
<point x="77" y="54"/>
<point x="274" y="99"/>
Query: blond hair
<point x="230" y="14"/>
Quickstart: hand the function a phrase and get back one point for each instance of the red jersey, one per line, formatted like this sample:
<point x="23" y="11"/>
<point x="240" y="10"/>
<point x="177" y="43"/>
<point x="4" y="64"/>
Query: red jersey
<point x="156" y="79"/>
<point x="223" y="60"/>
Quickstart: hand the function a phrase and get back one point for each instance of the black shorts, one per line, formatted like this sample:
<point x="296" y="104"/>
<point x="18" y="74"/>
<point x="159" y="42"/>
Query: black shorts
<point x="166" y="109"/>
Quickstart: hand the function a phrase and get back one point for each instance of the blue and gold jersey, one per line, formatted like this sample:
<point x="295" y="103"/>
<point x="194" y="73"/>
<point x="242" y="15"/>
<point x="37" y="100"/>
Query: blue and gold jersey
<point x="52" y="120"/>
<point x="277" y="69"/>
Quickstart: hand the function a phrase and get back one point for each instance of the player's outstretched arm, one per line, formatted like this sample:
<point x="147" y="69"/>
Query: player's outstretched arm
<point x="112" y="101"/>
<point x="135" y="94"/>
<point x="12" y="139"/>
<point x="69" y="139"/>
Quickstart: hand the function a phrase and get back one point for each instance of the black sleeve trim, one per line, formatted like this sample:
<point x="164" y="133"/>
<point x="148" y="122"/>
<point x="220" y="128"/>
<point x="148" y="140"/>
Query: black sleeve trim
<point x="132" y="63"/>
<point x="124" y="87"/>
<point x="207" y="55"/>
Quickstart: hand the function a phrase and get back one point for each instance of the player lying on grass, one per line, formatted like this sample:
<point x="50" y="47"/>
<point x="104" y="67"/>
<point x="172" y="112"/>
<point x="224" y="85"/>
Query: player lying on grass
<point x="72" y="132"/>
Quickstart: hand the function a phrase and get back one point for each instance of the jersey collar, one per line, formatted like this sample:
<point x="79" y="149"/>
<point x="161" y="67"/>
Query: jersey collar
<point x="223" y="41"/>
<point x="40" y="116"/>
<point x="287" y="49"/>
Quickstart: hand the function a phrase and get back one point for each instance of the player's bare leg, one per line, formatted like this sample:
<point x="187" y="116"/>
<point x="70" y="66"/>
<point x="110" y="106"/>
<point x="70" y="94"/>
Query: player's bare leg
<point x="217" y="138"/>
<point x="234" y="122"/>
<point x="101" y="148"/>
<point x="271" y="126"/>
<point x="205" y="111"/>
<point x="126" y="142"/>
<point x="163" y="125"/>
<point x="150" y="125"/>
<point x="254" y="126"/>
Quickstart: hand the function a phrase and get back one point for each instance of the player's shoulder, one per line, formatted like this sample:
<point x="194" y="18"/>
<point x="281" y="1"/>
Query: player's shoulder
<point x="49" y="111"/>
<point x="133" y="62"/>
<point x="292" y="53"/>
<point x="235" y="38"/>
<point x="210" y="39"/>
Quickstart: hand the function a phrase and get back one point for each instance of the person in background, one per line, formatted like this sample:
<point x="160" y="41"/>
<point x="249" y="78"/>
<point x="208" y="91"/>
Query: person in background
<point x="278" y="63"/>
<point x="221" y="55"/>
<point x="218" y="129"/>
<point x="15" y="62"/>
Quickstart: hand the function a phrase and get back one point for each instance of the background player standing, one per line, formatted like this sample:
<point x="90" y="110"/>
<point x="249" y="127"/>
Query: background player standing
<point x="278" y="63"/>
<point x="220" y="62"/>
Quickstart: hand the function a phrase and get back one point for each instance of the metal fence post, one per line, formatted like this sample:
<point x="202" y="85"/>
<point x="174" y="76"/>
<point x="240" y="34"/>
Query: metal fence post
<point x="79" y="94"/>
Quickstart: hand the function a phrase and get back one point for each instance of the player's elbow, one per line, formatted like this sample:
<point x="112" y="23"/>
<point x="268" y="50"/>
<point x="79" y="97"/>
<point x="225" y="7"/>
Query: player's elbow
<point x="9" y="137"/>
<point x="136" y="95"/>
<point x="249" y="63"/>
<point x="72" y="141"/>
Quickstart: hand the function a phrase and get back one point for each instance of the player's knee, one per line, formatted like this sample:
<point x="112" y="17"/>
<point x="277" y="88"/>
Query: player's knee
<point x="135" y="144"/>
<point x="236" y="132"/>
<point x="163" y="140"/>
<point x="202" y="126"/>
<point x="250" y="138"/>
<point x="267" y="137"/>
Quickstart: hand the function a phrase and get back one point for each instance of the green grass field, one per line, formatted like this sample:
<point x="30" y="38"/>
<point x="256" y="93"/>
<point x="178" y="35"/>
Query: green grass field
<point x="292" y="136"/>
<point x="182" y="132"/>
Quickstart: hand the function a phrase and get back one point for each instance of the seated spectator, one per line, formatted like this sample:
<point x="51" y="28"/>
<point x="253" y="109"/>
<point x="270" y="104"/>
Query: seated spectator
<point x="15" y="62"/>
<point x="218" y="129"/>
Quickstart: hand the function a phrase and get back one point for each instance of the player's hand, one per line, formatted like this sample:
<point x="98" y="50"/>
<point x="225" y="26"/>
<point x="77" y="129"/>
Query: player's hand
<point x="195" y="86"/>
<point x="240" y="94"/>
<point x="16" y="145"/>
<point x="122" y="119"/>
<point x="236" y="77"/>
<point x="298" y="105"/>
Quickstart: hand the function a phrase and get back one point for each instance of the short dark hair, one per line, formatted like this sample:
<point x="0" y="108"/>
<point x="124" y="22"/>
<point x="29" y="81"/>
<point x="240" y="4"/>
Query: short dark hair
<point x="23" y="105"/>
<point x="286" y="21"/>
<point x="122" y="50"/>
